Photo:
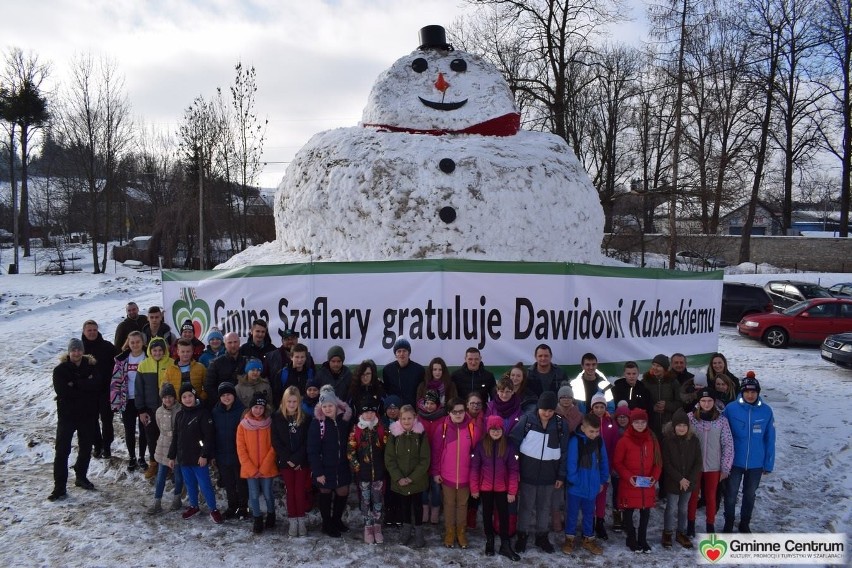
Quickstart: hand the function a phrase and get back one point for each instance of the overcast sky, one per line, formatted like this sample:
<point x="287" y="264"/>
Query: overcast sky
<point x="316" y="60"/>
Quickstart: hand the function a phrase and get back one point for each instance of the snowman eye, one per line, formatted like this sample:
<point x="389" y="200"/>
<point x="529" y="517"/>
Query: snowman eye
<point x="419" y="65"/>
<point x="458" y="65"/>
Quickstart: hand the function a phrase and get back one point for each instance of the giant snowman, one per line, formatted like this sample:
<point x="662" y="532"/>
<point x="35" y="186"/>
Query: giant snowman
<point x="438" y="168"/>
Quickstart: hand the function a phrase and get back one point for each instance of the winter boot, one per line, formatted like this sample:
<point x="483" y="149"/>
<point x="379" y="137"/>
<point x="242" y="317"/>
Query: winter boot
<point x="711" y="528"/>
<point x="449" y="535"/>
<point x="377" y="533"/>
<point x="644" y="547"/>
<point x="568" y="545"/>
<point x="177" y="505"/>
<point x="521" y="542"/>
<point x="617" y="521"/>
<point x="132" y="464"/>
<point x="630" y="539"/>
<point x="328" y="528"/>
<point x="600" y="529"/>
<point x="337" y="515"/>
<point x="690" y="528"/>
<point x="543" y="543"/>
<point x="506" y="550"/>
<point x="489" y="545"/>
<point x="743" y="527"/>
<point x="230" y="512"/>
<point x="257" y="527"/>
<point x="270" y="520"/>
<point x="151" y="472"/>
<point x="405" y="535"/>
<point x="157" y="507"/>
<point x="471" y="518"/>
<point x="667" y="539"/>
<point x="683" y="540"/>
<point x="425" y="514"/>
<point x="592" y="546"/>
<point x="729" y="525"/>
<point x="303" y="529"/>
<point x="293" y="528"/>
<point x="435" y="516"/>
<point x="419" y="541"/>
<point x="368" y="534"/>
<point x="461" y="536"/>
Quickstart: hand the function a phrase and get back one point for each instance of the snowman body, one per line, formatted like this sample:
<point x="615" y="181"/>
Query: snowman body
<point x="438" y="168"/>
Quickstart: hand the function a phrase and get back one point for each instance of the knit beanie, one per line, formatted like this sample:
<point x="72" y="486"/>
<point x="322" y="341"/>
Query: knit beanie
<point x="705" y="393"/>
<point x="661" y="360"/>
<point x="187" y="387"/>
<point x="638" y="414"/>
<point x="392" y="401"/>
<point x="623" y="409"/>
<point x="402" y="343"/>
<point x="336" y="351"/>
<point x="227" y="388"/>
<point x="75" y="344"/>
<point x="167" y="390"/>
<point x="547" y="401"/>
<point x="598" y="398"/>
<point x="259" y="399"/>
<point x="187" y="325"/>
<point x="432" y="395"/>
<point x="679" y="417"/>
<point x="494" y="422"/>
<point x="564" y="391"/>
<point x="750" y="383"/>
<point x="367" y="404"/>
<point x="214" y="333"/>
<point x="252" y="364"/>
<point x="327" y="395"/>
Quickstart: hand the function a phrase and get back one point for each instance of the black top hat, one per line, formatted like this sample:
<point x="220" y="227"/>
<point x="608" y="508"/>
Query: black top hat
<point x="434" y="37"/>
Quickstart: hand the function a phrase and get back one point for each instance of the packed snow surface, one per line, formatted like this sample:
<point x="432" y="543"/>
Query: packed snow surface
<point x="808" y="492"/>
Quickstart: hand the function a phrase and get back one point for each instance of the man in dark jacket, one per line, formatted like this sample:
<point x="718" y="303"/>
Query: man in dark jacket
<point x="678" y="363"/>
<point x="333" y="372"/>
<point x="76" y="383"/>
<point x="103" y="351"/>
<point x="403" y="375"/>
<point x="543" y="374"/>
<point x="631" y="389"/>
<point x="258" y="344"/>
<point x="156" y="327"/>
<point x="473" y="376"/>
<point x="133" y="322"/>
<point x="224" y="369"/>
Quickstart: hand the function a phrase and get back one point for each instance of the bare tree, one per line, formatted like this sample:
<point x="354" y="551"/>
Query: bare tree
<point x="94" y="126"/>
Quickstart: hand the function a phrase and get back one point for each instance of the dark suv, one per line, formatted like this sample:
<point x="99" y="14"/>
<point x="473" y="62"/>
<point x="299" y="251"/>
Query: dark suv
<point x="785" y="293"/>
<point x="740" y="300"/>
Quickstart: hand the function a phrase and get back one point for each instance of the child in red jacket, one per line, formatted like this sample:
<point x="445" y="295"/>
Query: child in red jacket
<point x="639" y="463"/>
<point x="494" y="477"/>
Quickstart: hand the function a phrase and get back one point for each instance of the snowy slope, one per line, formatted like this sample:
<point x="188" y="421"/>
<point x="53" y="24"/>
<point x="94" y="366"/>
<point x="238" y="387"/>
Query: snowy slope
<point x="809" y="491"/>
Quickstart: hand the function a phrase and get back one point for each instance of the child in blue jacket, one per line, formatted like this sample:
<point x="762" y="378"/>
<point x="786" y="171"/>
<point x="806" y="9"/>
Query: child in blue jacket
<point x="587" y="470"/>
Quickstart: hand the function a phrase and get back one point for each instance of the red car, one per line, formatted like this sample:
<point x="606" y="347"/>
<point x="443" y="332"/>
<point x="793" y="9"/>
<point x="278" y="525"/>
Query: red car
<point x="806" y="322"/>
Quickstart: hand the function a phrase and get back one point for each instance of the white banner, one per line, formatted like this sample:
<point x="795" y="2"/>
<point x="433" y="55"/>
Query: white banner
<point x="444" y="307"/>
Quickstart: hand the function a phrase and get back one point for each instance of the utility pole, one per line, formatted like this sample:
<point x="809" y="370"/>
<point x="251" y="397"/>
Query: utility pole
<point x="200" y="208"/>
<point x="676" y="140"/>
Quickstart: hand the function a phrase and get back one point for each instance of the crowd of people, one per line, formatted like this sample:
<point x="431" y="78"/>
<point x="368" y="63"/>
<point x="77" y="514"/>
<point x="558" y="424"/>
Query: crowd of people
<point x="534" y="451"/>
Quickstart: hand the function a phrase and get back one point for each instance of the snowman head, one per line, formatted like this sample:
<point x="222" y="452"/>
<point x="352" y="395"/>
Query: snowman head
<point x="438" y="90"/>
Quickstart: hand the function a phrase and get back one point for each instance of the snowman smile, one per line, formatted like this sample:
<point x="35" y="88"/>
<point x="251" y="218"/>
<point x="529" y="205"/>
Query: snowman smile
<point x="442" y="105"/>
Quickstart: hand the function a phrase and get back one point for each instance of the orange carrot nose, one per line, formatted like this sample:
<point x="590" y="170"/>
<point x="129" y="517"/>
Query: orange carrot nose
<point x="441" y="84"/>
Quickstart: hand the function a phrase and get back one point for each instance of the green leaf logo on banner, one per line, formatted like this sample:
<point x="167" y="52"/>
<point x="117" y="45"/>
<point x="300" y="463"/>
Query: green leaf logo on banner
<point x="713" y="549"/>
<point x="190" y="307"/>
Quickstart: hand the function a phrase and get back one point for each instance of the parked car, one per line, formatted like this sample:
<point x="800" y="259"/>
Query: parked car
<point x="810" y="321"/>
<point x="785" y="293"/>
<point x="698" y="260"/>
<point x="838" y="349"/>
<point x="842" y="290"/>
<point x="740" y="300"/>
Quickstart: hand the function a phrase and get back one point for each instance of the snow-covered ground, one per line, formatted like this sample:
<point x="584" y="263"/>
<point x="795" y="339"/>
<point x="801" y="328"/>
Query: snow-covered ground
<point x="808" y="492"/>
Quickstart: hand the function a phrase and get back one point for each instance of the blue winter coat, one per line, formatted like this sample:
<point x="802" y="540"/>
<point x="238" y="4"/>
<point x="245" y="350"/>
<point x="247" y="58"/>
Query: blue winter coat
<point x="327" y="444"/>
<point x="585" y="482"/>
<point x="225" y="424"/>
<point x="753" y="430"/>
<point x="541" y="450"/>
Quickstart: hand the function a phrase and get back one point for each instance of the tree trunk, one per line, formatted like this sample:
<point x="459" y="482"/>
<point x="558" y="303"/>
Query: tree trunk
<point x="24" y="213"/>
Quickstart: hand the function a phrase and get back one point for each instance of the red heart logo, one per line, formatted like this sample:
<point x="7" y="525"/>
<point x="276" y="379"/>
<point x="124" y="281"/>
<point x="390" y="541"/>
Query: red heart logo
<point x="713" y="554"/>
<point x="196" y="326"/>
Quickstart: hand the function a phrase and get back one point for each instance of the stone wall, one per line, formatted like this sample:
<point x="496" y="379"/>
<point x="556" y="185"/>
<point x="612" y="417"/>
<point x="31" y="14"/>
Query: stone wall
<point x="815" y="254"/>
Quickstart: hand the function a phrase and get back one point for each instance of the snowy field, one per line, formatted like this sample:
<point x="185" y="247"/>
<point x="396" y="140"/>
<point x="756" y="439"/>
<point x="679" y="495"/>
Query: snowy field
<point x="808" y="492"/>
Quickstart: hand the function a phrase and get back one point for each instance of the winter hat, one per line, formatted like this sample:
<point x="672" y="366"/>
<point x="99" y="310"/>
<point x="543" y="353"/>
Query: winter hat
<point x="187" y="325"/>
<point x="494" y="422"/>
<point x="700" y="380"/>
<point x="252" y="364"/>
<point x="327" y="395"/>
<point x="336" y="351"/>
<point x="214" y="333"/>
<point x="598" y="398"/>
<point x="750" y="383"/>
<point x="661" y="360"/>
<point x="432" y="395"/>
<point x="167" y="390"/>
<point x="638" y="414"/>
<point x="392" y="401"/>
<point x="75" y="344"/>
<point x="158" y="342"/>
<point x="679" y="417"/>
<point x="313" y="381"/>
<point x="187" y="387"/>
<point x="401" y="343"/>
<point x="227" y="388"/>
<point x="566" y="391"/>
<point x="623" y="409"/>
<point x="367" y="404"/>
<point x="259" y="399"/>
<point x="547" y="401"/>
<point x="289" y="333"/>
<point x="705" y="393"/>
